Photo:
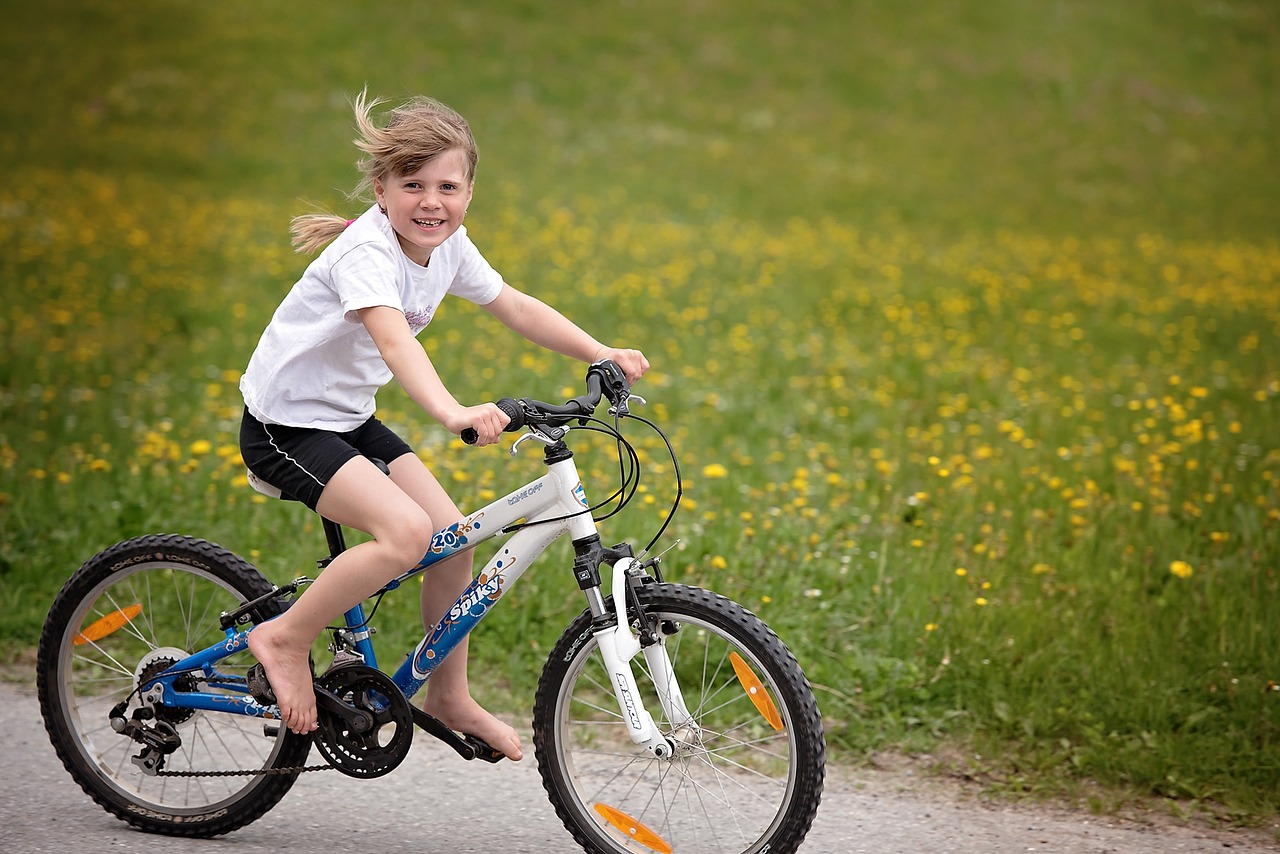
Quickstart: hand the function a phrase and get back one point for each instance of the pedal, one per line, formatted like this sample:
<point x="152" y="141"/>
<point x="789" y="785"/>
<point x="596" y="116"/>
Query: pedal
<point x="259" y="687"/>
<point x="483" y="750"/>
<point x="467" y="746"/>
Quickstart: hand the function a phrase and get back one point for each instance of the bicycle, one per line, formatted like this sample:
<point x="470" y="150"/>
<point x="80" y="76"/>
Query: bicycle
<point x="667" y="717"/>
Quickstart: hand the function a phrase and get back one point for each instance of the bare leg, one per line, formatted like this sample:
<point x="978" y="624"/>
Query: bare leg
<point x="359" y="496"/>
<point x="448" y="691"/>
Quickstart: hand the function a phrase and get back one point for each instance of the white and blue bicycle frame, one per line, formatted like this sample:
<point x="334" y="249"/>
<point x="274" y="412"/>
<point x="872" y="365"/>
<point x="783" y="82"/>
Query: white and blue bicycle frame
<point x="534" y="515"/>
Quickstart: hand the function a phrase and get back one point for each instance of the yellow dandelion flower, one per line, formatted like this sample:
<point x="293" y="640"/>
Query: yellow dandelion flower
<point x="1181" y="568"/>
<point x="962" y="572"/>
<point x="718" y="562"/>
<point x="981" y="601"/>
<point x="715" y="470"/>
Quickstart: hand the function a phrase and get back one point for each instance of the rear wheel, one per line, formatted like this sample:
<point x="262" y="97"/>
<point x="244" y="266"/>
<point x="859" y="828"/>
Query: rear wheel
<point x="746" y="776"/>
<point x="124" y="616"/>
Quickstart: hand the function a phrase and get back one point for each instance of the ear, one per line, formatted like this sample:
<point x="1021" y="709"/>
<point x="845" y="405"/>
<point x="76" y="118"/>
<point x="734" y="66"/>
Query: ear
<point x="379" y="193"/>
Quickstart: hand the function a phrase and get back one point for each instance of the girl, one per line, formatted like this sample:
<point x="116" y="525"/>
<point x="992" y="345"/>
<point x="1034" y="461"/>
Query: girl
<point x="344" y="330"/>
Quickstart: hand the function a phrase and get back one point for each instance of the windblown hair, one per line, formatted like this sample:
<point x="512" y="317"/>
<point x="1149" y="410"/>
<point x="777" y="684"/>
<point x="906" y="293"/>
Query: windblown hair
<point x="415" y="132"/>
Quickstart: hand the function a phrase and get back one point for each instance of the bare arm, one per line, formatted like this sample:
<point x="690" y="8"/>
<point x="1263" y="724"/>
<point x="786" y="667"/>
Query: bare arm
<point x="413" y="369"/>
<point x="546" y="327"/>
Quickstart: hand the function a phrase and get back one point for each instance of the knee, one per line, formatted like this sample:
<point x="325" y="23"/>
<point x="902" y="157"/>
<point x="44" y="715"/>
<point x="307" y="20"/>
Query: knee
<point x="406" y="537"/>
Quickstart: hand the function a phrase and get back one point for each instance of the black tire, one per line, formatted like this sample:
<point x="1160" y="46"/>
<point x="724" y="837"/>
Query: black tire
<point x="181" y="585"/>
<point x="737" y="782"/>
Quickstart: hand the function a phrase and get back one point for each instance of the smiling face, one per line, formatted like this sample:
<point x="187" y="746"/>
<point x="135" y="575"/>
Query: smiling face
<point x="427" y="206"/>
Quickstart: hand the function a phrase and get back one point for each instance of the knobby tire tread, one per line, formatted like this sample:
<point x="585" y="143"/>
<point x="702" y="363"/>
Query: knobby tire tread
<point x="255" y="800"/>
<point x="751" y="633"/>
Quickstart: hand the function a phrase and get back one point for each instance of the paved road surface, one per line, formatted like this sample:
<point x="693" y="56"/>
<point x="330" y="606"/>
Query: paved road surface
<point x="437" y="804"/>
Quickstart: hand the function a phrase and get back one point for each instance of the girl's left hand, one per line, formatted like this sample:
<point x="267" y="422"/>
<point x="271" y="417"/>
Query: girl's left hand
<point x="632" y="362"/>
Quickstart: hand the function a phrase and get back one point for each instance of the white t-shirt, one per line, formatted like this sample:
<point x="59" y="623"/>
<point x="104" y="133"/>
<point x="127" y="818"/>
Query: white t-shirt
<point x="316" y="365"/>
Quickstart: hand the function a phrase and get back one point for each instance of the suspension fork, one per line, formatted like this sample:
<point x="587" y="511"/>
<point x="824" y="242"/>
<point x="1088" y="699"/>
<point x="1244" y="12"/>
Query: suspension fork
<point x="619" y="644"/>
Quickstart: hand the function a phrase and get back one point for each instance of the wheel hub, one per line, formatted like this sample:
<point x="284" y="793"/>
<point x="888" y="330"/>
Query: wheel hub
<point x="152" y="665"/>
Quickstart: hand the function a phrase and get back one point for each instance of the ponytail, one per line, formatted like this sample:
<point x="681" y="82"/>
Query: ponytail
<point x="311" y="232"/>
<point x="415" y="132"/>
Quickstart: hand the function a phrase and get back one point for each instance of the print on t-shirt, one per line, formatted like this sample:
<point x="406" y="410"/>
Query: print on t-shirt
<point x="419" y="318"/>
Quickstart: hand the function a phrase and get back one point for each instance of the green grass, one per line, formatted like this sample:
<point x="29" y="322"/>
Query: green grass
<point x="982" y="287"/>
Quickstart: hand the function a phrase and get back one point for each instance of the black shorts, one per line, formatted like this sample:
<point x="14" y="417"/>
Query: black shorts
<point x="299" y="461"/>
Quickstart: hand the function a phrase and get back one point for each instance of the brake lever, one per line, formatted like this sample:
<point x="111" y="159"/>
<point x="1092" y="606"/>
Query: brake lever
<point x="622" y="408"/>
<point x="549" y="439"/>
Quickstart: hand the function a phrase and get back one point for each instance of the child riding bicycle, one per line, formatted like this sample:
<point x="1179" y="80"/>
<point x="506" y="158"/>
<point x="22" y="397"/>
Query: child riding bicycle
<point x="345" y="329"/>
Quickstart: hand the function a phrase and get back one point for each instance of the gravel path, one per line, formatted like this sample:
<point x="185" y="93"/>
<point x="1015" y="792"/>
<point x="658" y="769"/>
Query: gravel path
<point x="435" y="802"/>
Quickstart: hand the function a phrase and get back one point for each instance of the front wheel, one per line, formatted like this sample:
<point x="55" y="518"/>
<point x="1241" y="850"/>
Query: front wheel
<point x="123" y="617"/>
<point x="746" y="774"/>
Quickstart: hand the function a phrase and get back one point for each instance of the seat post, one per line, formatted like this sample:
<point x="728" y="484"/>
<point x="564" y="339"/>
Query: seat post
<point x="337" y="543"/>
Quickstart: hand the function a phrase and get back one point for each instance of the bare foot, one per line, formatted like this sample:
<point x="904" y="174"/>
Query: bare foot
<point x="468" y="717"/>
<point x="289" y="672"/>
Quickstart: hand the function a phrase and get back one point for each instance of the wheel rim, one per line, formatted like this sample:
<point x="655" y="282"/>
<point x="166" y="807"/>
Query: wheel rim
<point x="732" y="779"/>
<point x="178" y="612"/>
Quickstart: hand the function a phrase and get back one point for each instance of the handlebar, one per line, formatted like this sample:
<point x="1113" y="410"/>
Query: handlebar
<point x="604" y="379"/>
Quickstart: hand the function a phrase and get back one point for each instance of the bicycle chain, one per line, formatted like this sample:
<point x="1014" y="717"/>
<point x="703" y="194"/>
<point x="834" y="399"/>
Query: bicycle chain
<point x="343" y="677"/>
<point x="259" y="772"/>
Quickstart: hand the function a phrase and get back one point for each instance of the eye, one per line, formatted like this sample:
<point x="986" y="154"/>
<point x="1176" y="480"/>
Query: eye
<point x="412" y="185"/>
<point x="449" y="188"/>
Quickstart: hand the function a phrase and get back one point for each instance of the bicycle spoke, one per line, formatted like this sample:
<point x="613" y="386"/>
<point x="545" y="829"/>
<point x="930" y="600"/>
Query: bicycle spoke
<point x="120" y="624"/>
<point x="732" y="780"/>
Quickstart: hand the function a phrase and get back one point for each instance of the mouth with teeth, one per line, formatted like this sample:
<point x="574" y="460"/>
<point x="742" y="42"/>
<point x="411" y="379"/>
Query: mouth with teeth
<point x="428" y="223"/>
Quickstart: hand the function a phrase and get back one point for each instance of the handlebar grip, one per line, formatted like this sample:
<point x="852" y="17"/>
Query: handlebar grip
<point x="513" y="410"/>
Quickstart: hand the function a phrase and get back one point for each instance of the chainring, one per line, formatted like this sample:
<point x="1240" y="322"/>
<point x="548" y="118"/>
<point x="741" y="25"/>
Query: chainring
<point x="384" y="746"/>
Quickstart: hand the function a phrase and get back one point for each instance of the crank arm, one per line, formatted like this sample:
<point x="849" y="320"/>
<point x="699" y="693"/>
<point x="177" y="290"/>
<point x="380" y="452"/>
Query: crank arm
<point x="359" y="720"/>
<point x="467" y="746"/>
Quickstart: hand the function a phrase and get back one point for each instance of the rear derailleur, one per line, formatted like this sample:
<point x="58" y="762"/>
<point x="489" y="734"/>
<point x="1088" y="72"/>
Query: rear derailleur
<point x="158" y="740"/>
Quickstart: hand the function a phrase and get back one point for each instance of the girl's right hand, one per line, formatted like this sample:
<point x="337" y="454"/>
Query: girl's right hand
<point x="485" y="418"/>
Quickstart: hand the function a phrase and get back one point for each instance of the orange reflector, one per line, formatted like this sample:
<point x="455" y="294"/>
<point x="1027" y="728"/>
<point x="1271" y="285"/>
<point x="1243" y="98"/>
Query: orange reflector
<point x="633" y="828"/>
<point x="99" y="629"/>
<point x="756" y="691"/>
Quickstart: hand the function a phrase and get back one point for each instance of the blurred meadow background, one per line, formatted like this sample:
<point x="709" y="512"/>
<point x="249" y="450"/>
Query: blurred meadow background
<point x="963" y="315"/>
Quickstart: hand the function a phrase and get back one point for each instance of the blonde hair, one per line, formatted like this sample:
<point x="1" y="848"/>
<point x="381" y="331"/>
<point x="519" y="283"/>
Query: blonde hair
<point x="416" y="132"/>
